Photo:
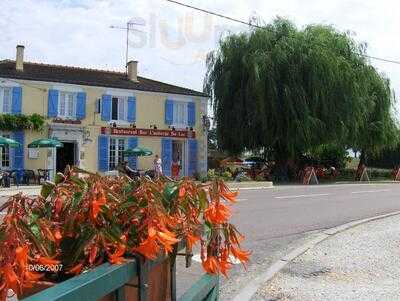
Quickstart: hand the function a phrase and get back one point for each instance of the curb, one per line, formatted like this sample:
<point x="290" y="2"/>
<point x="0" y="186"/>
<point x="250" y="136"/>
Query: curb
<point x="251" y="289"/>
<point x="4" y="192"/>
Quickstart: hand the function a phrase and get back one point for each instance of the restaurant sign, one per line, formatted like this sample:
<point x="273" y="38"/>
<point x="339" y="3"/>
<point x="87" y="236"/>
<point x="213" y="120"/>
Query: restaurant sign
<point x="147" y="132"/>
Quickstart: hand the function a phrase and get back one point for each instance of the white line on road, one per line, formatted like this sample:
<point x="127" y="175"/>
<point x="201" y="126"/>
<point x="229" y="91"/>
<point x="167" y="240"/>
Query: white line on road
<point x="301" y="196"/>
<point x="370" y="191"/>
<point x="241" y="200"/>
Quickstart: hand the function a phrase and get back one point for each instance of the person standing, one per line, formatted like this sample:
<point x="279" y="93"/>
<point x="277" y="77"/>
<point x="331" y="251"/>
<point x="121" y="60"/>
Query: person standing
<point x="176" y="168"/>
<point x="157" y="163"/>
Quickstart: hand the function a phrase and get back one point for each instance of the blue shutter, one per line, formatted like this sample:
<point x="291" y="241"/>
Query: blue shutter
<point x="166" y="155"/>
<point x="132" y="160"/>
<point x="52" y="105"/>
<point x="81" y="105"/>
<point x="131" y="109"/>
<point x="192" y="156"/>
<point x="16" y="104"/>
<point x="103" y="143"/>
<point x="18" y="155"/>
<point x="169" y="111"/>
<point x="191" y="110"/>
<point x="106" y="107"/>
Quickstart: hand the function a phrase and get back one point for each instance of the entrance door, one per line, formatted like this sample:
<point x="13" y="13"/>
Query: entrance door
<point x="178" y="155"/>
<point x="65" y="156"/>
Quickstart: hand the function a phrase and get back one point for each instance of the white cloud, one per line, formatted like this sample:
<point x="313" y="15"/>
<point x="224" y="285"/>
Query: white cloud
<point x="174" y="40"/>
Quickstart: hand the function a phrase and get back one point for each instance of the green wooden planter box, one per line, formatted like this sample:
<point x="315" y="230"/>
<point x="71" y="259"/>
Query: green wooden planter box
<point x="133" y="280"/>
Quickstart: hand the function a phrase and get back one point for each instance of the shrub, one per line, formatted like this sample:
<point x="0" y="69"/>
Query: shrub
<point x="226" y="175"/>
<point x="211" y="175"/>
<point x="330" y="155"/>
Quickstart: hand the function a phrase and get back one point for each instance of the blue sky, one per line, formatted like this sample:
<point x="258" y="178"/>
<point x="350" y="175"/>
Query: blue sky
<point x="173" y="41"/>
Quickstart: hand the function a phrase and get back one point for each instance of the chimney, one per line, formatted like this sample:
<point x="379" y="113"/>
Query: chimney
<point x="19" y="60"/>
<point x="132" y="71"/>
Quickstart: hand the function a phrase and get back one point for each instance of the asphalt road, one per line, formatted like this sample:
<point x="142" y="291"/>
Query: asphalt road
<point x="275" y="220"/>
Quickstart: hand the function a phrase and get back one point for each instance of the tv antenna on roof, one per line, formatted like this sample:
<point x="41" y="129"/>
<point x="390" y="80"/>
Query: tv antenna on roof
<point x="129" y="26"/>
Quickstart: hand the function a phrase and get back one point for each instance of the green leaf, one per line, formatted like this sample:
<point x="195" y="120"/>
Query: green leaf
<point x="76" y="200"/>
<point x="170" y="192"/>
<point x="203" y="202"/>
<point x="207" y="229"/>
<point x="47" y="189"/>
<point x="59" y="178"/>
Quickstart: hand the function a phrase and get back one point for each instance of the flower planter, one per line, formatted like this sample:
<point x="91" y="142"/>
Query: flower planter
<point x="114" y="282"/>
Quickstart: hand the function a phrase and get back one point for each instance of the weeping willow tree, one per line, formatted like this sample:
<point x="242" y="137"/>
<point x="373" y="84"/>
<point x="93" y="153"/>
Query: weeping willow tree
<point x="290" y="90"/>
<point x="378" y="130"/>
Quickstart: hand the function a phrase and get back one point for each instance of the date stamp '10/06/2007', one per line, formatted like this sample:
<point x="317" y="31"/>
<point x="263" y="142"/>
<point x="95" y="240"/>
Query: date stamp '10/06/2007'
<point x="45" y="267"/>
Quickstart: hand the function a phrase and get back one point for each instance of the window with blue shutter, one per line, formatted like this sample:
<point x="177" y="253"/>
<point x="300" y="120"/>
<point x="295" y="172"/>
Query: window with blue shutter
<point x="191" y="109"/>
<point x="192" y="168"/>
<point x="131" y="115"/>
<point x="166" y="155"/>
<point x="81" y="105"/>
<point x="18" y="155"/>
<point x="132" y="160"/>
<point x="52" y="105"/>
<point x="169" y="112"/>
<point x="16" y="103"/>
<point x="106" y="107"/>
<point x="103" y="143"/>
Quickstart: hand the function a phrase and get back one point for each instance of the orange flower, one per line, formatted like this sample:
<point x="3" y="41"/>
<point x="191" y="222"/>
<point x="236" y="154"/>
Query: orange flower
<point x="182" y="192"/>
<point x="47" y="260"/>
<point x="76" y="269"/>
<point x="226" y="193"/>
<point x="191" y="240"/>
<point x="210" y="265"/>
<point x="57" y="235"/>
<point x="148" y="248"/>
<point x="58" y="203"/>
<point x="117" y="256"/>
<point x="167" y="239"/>
<point x="224" y="263"/>
<point x="11" y="278"/>
<point x="217" y="213"/>
<point x="21" y="254"/>
<point x="93" y="254"/>
<point x="96" y="205"/>
<point x="242" y="256"/>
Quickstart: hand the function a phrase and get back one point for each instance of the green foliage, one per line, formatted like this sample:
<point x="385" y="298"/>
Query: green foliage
<point x="211" y="174"/>
<point x="9" y="122"/>
<point x="330" y="155"/>
<point x="292" y="90"/>
<point x="226" y="175"/>
<point x="387" y="158"/>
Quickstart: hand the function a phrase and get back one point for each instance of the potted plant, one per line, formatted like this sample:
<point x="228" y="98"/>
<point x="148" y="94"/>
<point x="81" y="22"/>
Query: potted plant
<point x="85" y="219"/>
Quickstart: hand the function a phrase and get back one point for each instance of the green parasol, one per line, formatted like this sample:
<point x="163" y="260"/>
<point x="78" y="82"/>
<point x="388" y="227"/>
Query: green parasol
<point x="9" y="142"/>
<point x="45" y="143"/>
<point x="137" y="151"/>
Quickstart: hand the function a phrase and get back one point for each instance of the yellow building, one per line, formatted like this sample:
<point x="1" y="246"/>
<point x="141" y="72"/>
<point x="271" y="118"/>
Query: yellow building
<point x="97" y="114"/>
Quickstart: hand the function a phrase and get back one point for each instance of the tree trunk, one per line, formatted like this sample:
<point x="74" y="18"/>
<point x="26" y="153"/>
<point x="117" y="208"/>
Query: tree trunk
<point x="363" y="159"/>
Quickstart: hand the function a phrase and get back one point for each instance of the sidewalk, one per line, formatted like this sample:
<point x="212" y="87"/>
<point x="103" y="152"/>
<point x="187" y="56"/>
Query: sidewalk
<point x="29" y="190"/>
<point x="358" y="264"/>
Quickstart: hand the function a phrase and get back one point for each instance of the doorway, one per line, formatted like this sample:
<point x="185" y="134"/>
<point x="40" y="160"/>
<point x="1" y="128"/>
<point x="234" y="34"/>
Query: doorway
<point x="179" y="155"/>
<point x="66" y="155"/>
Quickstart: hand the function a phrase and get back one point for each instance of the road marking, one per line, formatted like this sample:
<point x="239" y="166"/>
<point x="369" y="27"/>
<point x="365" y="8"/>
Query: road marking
<point x="241" y="200"/>
<point x="370" y="191"/>
<point x="301" y="196"/>
<point x="252" y="188"/>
